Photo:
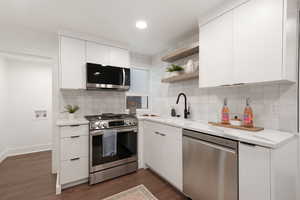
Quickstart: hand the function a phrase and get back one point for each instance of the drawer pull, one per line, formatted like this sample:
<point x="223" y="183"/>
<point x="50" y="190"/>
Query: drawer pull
<point x="75" y="136"/>
<point x="161" y="134"/>
<point x="74" y="159"/>
<point x="76" y="125"/>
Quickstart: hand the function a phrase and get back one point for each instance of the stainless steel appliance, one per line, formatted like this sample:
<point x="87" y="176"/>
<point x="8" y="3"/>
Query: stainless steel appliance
<point x="107" y="77"/>
<point x="125" y="160"/>
<point x="210" y="167"/>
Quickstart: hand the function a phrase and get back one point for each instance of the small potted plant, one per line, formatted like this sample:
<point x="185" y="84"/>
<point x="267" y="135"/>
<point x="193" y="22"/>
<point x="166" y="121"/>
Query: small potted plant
<point x="71" y="110"/>
<point x="175" y="70"/>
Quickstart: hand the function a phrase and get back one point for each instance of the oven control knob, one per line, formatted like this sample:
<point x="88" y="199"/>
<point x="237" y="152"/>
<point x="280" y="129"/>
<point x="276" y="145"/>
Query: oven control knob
<point x="103" y="125"/>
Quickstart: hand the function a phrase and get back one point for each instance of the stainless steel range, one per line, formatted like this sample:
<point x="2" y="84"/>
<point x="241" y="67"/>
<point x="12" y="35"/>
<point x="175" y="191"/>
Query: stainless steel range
<point x="113" y="146"/>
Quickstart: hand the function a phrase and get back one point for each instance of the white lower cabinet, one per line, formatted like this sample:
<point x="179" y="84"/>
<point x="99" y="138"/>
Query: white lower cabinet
<point x="74" y="146"/>
<point x="268" y="174"/>
<point x="254" y="172"/>
<point x="74" y="169"/>
<point x="163" y="151"/>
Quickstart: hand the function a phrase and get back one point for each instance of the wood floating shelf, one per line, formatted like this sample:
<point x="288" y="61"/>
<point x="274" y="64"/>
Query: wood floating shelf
<point x="181" y="53"/>
<point x="254" y="129"/>
<point x="182" y="77"/>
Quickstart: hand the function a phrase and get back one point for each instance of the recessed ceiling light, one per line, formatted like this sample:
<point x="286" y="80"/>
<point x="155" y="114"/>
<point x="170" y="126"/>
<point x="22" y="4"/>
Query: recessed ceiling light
<point x="141" y="24"/>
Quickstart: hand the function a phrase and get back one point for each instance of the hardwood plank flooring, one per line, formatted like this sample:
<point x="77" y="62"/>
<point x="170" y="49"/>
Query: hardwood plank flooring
<point x="28" y="177"/>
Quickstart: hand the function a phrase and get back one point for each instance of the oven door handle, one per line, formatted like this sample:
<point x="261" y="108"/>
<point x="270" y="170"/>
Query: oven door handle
<point x="101" y="132"/>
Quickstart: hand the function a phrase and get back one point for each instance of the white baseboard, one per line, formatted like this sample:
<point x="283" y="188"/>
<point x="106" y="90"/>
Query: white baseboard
<point x="3" y="155"/>
<point x="24" y="150"/>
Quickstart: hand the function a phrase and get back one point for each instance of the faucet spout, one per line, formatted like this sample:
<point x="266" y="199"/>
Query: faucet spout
<point x="186" y="112"/>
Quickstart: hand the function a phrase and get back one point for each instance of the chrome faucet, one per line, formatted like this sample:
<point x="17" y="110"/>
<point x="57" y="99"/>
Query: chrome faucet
<point x="186" y="111"/>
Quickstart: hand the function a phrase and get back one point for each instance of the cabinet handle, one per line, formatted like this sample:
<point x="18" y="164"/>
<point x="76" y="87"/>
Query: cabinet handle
<point x="74" y="159"/>
<point x="75" y="136"/>
<point x="161" y="134"/>
<point x="74" y="125"/>
<point x="238" y="84"/>
<point x="225" y="85"/>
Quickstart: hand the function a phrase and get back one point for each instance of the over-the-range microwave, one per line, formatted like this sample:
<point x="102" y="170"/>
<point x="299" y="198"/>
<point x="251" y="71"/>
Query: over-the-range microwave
<point x="107" y="77"/>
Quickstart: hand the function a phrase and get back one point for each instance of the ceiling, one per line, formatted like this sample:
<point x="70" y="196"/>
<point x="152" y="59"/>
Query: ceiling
<point x="168" y="20"/>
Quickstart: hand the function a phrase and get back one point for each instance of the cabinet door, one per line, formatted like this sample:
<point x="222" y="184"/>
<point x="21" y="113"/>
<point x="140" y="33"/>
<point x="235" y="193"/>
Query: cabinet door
<point x="119" y="57"/>
<point x="72" y="63"/>
<point x="258" y="30"/>
<point x="152" y="147"/>
<point x="74" y="170"/>
<point x="216" y="52"/>
<point x="254" y="173"/>
<point x="98" y="54"/>
<point x="172" y="155"/>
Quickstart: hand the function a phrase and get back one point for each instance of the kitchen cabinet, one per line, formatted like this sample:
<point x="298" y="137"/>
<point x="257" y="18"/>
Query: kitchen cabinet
<point x="97" y="53"/>
<point x="255" y="42"/>
<point x="119" y="57"/>
<point x="106" y="55"/>
<point x="74" y="146"/>
<point x="267" y="174"/>
<point x="75" y="53"/>
<point x="72" y="63"/>
<point x="216" y="52"/>
<point x="163" y="151"/>
<point x="258" y="41"/>
<point x="254" y="172"/>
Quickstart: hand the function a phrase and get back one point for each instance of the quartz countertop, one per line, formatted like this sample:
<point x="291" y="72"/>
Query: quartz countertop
<point x="266" y="138"/>
<point x="69" y="122"/>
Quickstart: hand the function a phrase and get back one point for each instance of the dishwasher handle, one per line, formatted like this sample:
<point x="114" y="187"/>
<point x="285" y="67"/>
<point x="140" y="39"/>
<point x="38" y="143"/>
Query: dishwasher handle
<point x="214" y="146"/>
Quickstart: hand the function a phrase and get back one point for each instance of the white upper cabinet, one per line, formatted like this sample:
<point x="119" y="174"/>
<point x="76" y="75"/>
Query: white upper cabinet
<point x="216" y="52"/>
<point x="72" y="63"/>
<point x="119" y="57"/>
<point x="106" y="55"/>
<point x="255" y="42"/>
<point x="97" y="53"/>
<point x="75" y="53"/>
<point x="258" y="41"/>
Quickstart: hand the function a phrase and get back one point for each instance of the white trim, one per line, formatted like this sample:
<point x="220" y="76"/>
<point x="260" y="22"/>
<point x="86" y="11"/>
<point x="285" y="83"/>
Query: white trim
<point x="3" y="155"/>
<point x="24" y="150"/>
<point x="219" y="11"/>
<point x="92" y="38"/>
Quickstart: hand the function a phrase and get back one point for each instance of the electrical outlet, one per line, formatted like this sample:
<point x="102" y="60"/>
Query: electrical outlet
<point x="40" y="114"/>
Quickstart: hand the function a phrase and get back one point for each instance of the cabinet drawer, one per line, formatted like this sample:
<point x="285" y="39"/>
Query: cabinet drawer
<point x="74" y="170"/>
<point x="165" y="130"/>
<point x="75" y="130"/>
<point x="75" y="146"/>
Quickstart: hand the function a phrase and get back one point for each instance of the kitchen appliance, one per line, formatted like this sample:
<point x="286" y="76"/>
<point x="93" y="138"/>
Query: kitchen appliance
<point x="107" y="77"/>
<point x="124" y="160"/>
<point x="210" y="167"/>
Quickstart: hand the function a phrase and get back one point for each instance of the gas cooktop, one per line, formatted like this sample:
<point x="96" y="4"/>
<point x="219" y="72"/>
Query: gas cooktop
<point x="111" y="120"/>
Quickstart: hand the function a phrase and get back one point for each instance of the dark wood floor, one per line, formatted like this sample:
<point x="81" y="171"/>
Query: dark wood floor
<point x="28" y="177"/>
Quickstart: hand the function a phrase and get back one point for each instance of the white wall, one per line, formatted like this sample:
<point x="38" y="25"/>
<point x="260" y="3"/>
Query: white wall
<point x="3" y="93"/>
<point x="29" y="88"/>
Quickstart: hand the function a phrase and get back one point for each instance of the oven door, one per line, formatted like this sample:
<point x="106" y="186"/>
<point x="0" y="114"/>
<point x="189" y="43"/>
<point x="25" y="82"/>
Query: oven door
<point x="107" y="77"/>
<point x="126" y="149"/>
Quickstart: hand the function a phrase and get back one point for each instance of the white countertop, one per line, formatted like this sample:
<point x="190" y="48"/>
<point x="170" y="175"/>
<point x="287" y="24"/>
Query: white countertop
<point x="266" y="138"/>
<point x="68" y="122"/>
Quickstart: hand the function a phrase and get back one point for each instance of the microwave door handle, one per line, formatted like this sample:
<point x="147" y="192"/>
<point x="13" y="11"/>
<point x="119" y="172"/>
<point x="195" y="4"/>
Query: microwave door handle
<point x="124" y="76"/>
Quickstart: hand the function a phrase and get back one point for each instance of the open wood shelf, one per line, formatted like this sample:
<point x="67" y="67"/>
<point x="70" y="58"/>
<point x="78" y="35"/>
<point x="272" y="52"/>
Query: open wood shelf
<point x="182" y="77"/>
<point x="181" y="53"/>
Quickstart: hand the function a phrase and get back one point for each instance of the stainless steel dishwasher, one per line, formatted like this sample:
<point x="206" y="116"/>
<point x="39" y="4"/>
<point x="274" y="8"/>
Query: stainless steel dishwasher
<point x="210" y="167"/>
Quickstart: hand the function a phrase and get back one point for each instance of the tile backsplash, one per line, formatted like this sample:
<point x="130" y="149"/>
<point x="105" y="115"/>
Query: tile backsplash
<point x="274" y="105"/>
<point x="93" y="102"/>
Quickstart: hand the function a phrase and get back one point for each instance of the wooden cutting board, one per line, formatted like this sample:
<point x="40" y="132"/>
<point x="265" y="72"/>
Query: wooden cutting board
<point x="254" y="129"/>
